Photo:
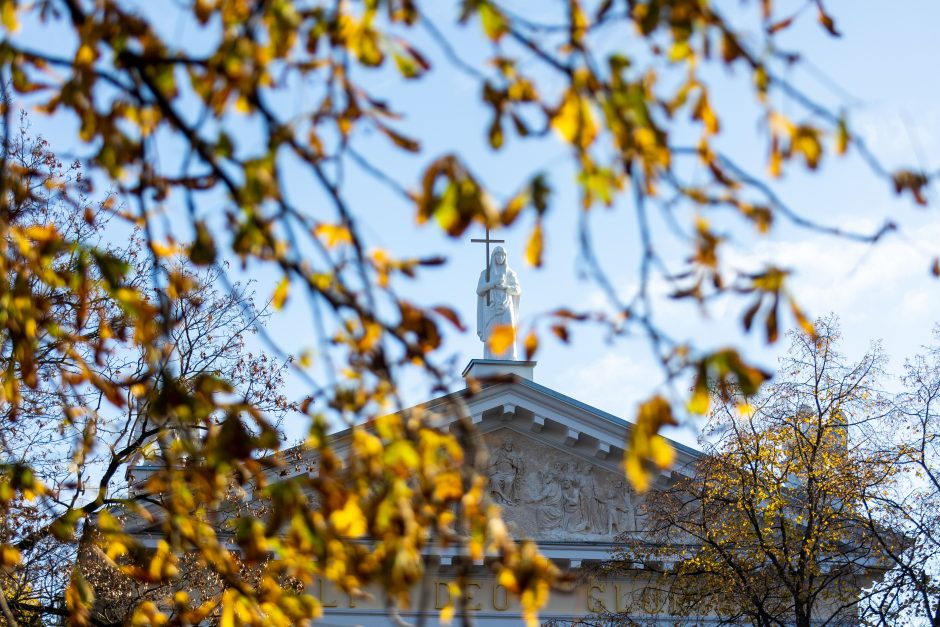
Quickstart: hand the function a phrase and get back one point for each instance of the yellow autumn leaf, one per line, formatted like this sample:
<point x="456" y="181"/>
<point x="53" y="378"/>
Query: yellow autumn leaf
<point x="349" y="521"/>
<point x="775" y="167"/>
<point x="574" y="120"/>
<point x="703" y="111"/>
<point x="493" y="21"/>
<point x="680" y="51"/>
<point x="42" y="233"/>
<point x="646" y="445"/>
<point x="116" y="549"/>
<point x="280" y="294"/>
<point x="447" y="614"/>
<point x="801" y="319"/>
<point x="9" y="556"/>
<point x="842" y="137"/>
<point x="447" y="487"/>
<point x="508" y="580"/>
<point x="781" y="124"/>
<point x="744" y="409"/>
<point x="661" y="452"/>
<point x="228" y="608"/>
<point x="242" y="105"/>
<point x="402" y="456"/>
<point x="531" y="345"/>
<point x="333" y="234"/>
<point x="502" y="338"/>
<point x="638" y="476"/>
<point x="79" y="597"/>
<point x="10" y="21"/>
<point x="700" y="401"/>
<point x="533" y="249"/>
<point x="108" y="523"/>
<point x="161" y="249"/>
<point x="761" y="81"/>
<point x="163" y="563"/>
<point x="806" y="142"/>
<point x="86" y="55"/>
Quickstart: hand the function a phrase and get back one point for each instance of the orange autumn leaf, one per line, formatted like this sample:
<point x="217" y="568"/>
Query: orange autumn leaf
<point x="502" y="338"/>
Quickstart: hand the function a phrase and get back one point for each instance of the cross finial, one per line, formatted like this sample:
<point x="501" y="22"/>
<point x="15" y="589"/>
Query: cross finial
<point x="488" y="241"/>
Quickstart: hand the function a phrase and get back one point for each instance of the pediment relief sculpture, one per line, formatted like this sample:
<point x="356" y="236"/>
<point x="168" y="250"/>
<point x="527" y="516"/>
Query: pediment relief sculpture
<point x="547" y="494"/>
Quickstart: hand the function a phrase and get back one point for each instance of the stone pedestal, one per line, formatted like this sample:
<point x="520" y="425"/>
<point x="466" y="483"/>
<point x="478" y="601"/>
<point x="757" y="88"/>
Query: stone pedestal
<point x="482" y="369"/>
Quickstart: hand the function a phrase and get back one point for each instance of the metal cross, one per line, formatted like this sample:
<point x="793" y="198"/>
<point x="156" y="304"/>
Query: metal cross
<point x="488" y="241"/>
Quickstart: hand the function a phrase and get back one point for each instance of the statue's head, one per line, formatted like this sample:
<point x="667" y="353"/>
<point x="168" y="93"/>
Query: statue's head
<point x="507" y="445"/>
<point x="499" y="256"/>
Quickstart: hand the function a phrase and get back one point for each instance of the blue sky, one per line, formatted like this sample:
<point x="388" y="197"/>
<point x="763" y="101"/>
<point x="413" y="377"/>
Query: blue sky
<point x="882" y="70"/>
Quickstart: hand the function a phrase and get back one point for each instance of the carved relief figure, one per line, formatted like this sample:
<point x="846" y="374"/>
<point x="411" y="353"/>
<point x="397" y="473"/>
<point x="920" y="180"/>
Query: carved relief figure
<point x="603" y="509"/>
<point x="497" y="302"/>
<point x="592" y="500"/>
<point x="576" y="518"/>
<point x="506" y="472"/>
<point x="621" y="513"/>
<point x="548" y="501"/>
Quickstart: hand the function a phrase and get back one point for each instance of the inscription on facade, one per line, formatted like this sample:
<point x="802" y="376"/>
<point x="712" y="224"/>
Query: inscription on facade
<point x="485" y="595"/>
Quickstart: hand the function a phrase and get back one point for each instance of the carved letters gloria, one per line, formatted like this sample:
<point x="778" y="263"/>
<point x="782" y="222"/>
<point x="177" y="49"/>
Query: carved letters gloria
<point x="548" y="496"/>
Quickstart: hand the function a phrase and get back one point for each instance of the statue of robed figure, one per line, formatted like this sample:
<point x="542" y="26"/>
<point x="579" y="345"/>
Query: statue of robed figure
<point x="497" y="303"/>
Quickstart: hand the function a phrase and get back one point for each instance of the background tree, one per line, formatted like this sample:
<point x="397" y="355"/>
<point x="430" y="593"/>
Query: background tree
<point x="769" y="526"/>
<point x="35" y="433"/>
<point x="80" y="456"/>
<point x="911" y="512"/>
<point x="630" y="118"/>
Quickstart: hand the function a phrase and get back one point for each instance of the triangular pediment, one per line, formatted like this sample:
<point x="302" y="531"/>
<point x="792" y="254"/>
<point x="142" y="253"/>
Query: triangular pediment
<point x="555" y="464"/>
<point x="555" y="419"/>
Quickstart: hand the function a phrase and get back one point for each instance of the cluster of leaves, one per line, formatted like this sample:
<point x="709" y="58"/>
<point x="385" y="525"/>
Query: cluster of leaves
<point x="131" y="90"/>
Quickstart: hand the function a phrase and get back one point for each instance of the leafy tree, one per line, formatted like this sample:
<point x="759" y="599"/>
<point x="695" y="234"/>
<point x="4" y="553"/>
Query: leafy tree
<point x="76" y="455"/>
<point x="632" y="119"/>
<point x="769" y="526"/>
<point x="911" y="512"/>
<point x="34" y="436"/>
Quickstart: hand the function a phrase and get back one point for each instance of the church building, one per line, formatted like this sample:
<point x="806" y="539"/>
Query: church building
<point x="555" y="469"/>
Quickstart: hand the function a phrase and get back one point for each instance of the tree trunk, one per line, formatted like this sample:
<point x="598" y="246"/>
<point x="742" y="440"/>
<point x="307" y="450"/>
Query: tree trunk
<point x="803" y="615"/>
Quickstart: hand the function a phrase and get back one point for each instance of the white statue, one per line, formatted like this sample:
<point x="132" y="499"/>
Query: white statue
<point x="497" y="303"/>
